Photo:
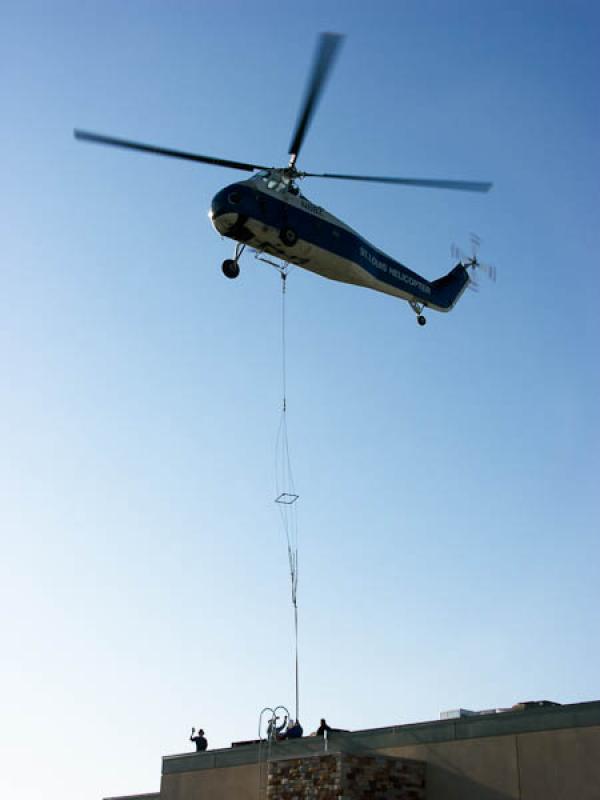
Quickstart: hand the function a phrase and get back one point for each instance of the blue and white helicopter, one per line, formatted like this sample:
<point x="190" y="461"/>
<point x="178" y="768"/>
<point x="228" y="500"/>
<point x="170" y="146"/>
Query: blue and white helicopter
<point x="268" y="214"/>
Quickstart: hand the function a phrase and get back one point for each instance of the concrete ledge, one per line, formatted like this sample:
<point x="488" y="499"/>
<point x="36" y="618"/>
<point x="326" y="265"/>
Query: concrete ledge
<point x="575" y="715"/>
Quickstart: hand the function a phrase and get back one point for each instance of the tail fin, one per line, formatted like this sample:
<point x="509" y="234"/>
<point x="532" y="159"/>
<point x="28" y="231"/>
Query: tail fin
<point x="446" y="291"/>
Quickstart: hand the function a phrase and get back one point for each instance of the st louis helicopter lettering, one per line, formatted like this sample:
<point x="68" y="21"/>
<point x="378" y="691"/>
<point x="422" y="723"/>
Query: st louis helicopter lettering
<point x="402" y="276"/>
<point x="268" y="214"/>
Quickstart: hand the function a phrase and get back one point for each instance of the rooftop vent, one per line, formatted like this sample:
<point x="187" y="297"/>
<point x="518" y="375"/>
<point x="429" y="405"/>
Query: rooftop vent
<point x="461" y="713"/>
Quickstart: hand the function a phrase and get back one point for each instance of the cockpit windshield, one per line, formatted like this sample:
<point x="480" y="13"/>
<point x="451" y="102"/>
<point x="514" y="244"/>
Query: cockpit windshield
<point x="276" y="181"/>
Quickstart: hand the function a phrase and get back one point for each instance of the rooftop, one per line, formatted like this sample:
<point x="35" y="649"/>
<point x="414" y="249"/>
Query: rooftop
<point x="520" y="720"/>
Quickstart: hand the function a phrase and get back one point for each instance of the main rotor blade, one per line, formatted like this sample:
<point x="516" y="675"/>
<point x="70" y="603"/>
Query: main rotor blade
<point x="322" y="64"/>
<point x="465" y="186"/>
<point x="86" y="136"/>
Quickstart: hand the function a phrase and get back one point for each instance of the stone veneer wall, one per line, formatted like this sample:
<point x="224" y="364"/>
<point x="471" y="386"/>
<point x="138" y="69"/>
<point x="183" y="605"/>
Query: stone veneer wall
<point x="338" y="776"/>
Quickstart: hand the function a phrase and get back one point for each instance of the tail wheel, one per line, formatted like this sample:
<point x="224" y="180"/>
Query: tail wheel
<point x="231" y="269"/>
<point x="421" y="320"/>
<point x="288" y="236"/>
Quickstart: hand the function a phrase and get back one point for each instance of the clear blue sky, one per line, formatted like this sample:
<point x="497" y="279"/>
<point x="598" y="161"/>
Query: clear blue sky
<point x="448" y="476"/>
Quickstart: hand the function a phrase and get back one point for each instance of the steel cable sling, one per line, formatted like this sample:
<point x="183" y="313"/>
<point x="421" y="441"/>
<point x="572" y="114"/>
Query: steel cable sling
<point x="286" y="497"/>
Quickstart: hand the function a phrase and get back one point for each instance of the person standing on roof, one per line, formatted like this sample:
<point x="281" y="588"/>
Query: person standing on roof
<point x="199" y="739"/>
<point x="323" y="727"/>
<point x="294" y="730"/>
<point x="274" y="730"/>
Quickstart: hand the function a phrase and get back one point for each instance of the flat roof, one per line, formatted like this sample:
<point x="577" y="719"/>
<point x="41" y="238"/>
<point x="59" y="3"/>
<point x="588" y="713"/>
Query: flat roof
<point x="573" y="715"/>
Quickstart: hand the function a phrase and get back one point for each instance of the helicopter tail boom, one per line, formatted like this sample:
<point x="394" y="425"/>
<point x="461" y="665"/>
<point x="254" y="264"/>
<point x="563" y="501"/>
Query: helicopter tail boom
<point x="446" y="291"/>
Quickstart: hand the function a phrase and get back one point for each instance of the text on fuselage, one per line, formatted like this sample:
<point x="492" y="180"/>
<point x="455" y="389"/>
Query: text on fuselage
<point x="395" y="273"/>
<point x="308" y="206"/>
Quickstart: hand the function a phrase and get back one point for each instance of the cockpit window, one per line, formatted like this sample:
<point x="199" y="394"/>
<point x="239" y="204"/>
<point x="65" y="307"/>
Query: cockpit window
<point x="277" y="182"/>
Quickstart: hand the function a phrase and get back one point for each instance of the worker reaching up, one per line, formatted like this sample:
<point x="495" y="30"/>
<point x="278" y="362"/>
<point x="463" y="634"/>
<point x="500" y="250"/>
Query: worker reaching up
<point x="199" y="739"/>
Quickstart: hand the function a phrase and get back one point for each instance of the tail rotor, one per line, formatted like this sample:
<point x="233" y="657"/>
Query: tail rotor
<point x="473" y="263"/>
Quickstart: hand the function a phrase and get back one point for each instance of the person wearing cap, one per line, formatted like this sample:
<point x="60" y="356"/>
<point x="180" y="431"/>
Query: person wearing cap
<point x="199" y="739"/>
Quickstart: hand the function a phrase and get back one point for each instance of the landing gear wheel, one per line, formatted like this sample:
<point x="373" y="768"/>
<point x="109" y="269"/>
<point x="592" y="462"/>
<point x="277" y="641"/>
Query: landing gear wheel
<point x="421" y="320"/>
<point x="231" y="269"/>
<point x="288" y="236"/>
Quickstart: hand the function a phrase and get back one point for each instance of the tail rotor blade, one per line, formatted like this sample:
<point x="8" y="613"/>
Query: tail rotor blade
<point x="472" y="263"/>
<point x="490" y="271"/>
<point x="456" y="253"/>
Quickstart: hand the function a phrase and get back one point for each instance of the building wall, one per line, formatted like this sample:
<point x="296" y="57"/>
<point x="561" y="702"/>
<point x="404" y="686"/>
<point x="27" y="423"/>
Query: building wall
<point x="542" y="754"/>
<point x="352" y="777"/>
<point x="226" y="783"/>
<point x="465" y="770"/>
<point x="560" y="765"/>
<point x="549" y="765"/>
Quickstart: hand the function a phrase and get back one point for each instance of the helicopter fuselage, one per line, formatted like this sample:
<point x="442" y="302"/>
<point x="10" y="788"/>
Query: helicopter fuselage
<point x="269" y="214"/>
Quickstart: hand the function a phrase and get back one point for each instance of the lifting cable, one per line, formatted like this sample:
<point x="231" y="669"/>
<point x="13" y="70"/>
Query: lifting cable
<point x="286" y="496"/>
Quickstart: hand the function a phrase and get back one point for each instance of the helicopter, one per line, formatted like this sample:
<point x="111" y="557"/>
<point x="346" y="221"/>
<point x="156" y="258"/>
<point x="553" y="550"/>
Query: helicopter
<point x="268" y="214"/>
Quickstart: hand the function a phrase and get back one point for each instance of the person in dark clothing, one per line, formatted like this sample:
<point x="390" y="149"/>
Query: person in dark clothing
<point x="322" y="728"/>
<point x="274" y="731"/>
<point x="201" y="743"/>
<point x="294" y="730"/>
